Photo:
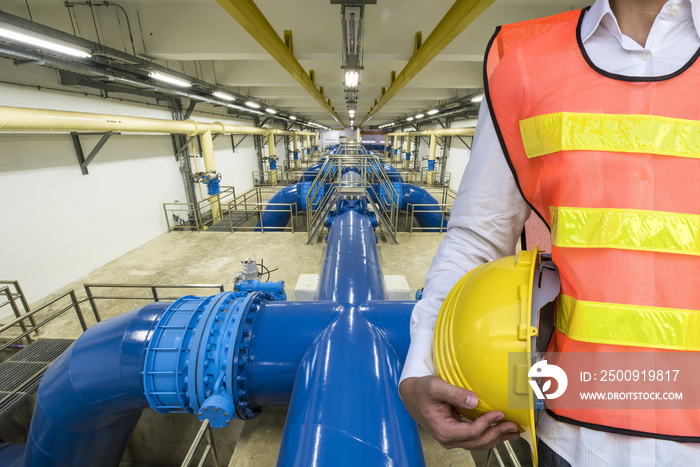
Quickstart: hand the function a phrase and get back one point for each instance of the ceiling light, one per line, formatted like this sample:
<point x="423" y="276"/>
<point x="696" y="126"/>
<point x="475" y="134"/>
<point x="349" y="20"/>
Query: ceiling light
<point x="477" y="98"/>
<point x="252" y="105"/>
<point x="292" y="117"/>
<point x="352" y="78"/>
<point x="270" y="110"/>
<point x="420" y="115"/>
<point x="169" y="79"/>
<point x="223" y="95"/>
<point x="433" y="111"/>
<point x="49" y="44"/>
<point x="409" y="119"/>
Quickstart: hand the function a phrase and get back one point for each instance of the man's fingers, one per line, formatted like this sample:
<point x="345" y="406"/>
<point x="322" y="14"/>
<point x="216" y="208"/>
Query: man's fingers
<point x="475" y="436"/>
<point x="459" y="397"/>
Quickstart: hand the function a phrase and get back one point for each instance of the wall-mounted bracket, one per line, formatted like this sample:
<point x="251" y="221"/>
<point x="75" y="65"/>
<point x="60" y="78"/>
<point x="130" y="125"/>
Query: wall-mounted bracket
<point x="85" y="161"/>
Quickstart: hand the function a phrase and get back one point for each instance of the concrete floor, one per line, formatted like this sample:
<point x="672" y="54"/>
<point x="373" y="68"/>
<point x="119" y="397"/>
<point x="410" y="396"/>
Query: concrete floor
<point x="213" y="258"/>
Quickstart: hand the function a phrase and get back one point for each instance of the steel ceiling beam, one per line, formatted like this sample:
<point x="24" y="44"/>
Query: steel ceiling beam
<point x="456" y="20"/>
<point x="249" y="16"/>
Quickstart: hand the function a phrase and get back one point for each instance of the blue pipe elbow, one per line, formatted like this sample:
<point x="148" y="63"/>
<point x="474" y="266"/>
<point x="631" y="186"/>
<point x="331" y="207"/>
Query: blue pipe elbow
<point x="431" y="217"/>
<point x="91" y="397"/>
<point x="274" y="217"/>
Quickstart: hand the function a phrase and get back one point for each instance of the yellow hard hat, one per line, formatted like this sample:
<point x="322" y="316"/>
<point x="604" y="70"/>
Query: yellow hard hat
<point x="486" y="332"/>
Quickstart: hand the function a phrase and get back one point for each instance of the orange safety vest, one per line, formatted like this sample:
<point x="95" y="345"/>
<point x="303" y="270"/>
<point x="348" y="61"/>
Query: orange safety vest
<point x="610" y="163"/>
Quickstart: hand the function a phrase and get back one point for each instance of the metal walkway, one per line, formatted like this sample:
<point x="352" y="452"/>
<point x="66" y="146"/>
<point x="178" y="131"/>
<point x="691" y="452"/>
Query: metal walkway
<point x="21" y="373"/>
<point x="370" y="182"/>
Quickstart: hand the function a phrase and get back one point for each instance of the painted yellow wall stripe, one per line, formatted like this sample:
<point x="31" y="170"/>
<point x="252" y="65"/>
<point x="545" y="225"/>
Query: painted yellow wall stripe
<point x="626" y="229"/>
<point x="647" y="134"/>
<point x="639" y="326"/>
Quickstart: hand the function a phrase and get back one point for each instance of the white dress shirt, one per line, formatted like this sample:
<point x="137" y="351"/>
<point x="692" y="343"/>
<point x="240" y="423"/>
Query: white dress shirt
<point x="489" y="212"/>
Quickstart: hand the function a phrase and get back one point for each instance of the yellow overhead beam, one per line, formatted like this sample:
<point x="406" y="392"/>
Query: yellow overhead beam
<point x="460" y="15"/>
<point x="248" y="15"/>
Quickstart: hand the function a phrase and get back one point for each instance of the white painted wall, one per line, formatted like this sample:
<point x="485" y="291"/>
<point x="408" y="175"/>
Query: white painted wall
<point x="58" y="224"/>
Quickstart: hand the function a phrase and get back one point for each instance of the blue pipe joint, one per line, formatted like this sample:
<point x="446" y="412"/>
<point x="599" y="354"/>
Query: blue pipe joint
<point x="431" y="165"/>
<point x="316" y="148"/>
<point x="296" y="155"/>
<point x="189" y="363"/>
<point x="419" y="294"/>
<point x="274" y="289"/>
<point x="408" y="156"/>
<point x="308" y="151"/>
<point x="396" y="152"/>
<point x="273" y="164"/>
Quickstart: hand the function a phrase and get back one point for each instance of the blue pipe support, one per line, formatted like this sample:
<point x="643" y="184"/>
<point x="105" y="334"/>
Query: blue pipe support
<point x="408" y="156"/>
<point x="91" y="397"/>
<point x="431" y="164"/>
<point x="308" y="151"/>
<point x="274" y="217"/>
<point x="273" y="164"/>
<point x="296" y="154"/>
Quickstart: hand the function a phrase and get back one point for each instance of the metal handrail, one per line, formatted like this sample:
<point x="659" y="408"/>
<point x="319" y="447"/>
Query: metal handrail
<point x="153" y="288"/>
<point x="74" y="303"/>
<point x="196" y="210"/>
<point x="411" y="209"/>
<point x="257" y="209"/>
<point x="205" y="429"/>
<point x="328" y="186"/>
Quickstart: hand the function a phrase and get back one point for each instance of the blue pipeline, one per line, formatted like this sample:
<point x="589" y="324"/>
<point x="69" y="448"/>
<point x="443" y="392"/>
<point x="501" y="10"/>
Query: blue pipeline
<point x="274" y="217"/>
<point x="345" y="408"/>
<point x="91" y="398"/>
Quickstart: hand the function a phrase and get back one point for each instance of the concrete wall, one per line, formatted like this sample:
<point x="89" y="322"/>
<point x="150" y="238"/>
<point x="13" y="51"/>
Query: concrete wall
<point x="58" y="224"/>
<point x="459" y="154"/>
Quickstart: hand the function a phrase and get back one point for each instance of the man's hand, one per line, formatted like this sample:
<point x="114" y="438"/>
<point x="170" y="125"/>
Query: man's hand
<point x="432" y="403"/>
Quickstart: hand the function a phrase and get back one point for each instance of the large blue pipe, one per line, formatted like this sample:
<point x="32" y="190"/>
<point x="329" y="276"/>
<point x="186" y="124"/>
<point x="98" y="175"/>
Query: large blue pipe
<point x="91" y="398"/>
<point x="275" y="217"/>
<point x="345" y="408"/>
<point x="430" y="218"/>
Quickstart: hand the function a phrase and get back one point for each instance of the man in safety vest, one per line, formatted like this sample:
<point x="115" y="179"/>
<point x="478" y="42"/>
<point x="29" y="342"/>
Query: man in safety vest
<point x="592" y="120"/>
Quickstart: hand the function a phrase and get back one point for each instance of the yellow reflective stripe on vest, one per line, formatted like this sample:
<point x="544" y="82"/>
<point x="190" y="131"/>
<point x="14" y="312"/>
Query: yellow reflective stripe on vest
<point x="640" y="326"/>
<point x="626" y="229"/>
<point x="648" y="134"/>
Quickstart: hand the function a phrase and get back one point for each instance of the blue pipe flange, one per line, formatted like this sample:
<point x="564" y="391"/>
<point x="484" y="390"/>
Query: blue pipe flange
<point x="211" y="395"/>
<point x="167" y="356"/>
<point x="408" y="156"/>
<point x="431" y="164"/>
<point x="246" y="409"/>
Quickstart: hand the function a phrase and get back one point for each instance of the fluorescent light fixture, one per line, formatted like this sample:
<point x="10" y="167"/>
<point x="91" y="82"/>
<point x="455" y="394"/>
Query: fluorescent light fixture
<point x="352" y="78"/>
<point x="223" y="95"/>
<point x="409" y="119"/>
<point x="252" y="105"/>
<point x="477" y="98"/>
<point x="49" y="44"/>
<point x="433" y="111"/>
<point x="270" y="110"/>
<point x="169" y="79"/>
<point x="292" y="117"/>
<point x="420" y="115"/>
